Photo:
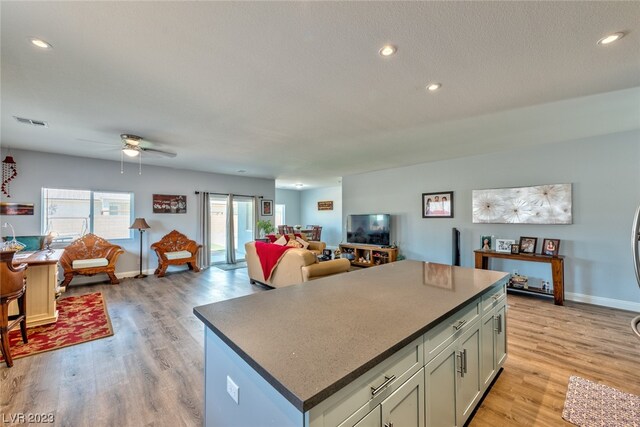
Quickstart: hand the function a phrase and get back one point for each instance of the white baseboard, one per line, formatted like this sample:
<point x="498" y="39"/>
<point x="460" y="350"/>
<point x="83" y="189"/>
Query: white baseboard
<point x="127" y="274"/>
<point x="607" y="302"/>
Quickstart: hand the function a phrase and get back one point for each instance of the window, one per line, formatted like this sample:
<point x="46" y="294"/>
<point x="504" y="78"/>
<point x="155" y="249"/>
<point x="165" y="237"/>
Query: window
<point x="73" y="213"/>
<point x="280" y="215"/>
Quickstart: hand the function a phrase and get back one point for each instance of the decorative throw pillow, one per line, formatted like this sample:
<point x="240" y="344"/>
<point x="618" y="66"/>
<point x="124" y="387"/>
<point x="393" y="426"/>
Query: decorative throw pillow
<point x="302" y="236"/>
<point x="272" y="238"/>
<point x="281" y="241"/>
<point x="304" y="243"/>
<point x="294" y="244"/>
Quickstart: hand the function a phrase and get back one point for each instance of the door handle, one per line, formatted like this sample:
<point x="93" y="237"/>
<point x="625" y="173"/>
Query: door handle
<point x="464" y="360"/>
<point x="462" y="370"/>
<point x="459" y="325"/>
<point x="387" y="381"/>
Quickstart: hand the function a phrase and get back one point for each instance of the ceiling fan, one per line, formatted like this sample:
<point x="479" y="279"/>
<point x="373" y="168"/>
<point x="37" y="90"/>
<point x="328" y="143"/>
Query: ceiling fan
<point x="131" y="146"/>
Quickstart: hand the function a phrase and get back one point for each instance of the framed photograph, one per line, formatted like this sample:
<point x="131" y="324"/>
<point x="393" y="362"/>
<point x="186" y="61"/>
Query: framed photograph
<point x="437" y="205"/>
<point x="7" y="208"/>
<point x="169" y="204"/>
<point x="485" y="242"/>
<point x="504" y="245"/>
<point x="326" y="205"/>
<point x="266" y="207"/>
<point x="515" y="248"/>
<point x="551" y="247"/>
<point x="528" y="245"/>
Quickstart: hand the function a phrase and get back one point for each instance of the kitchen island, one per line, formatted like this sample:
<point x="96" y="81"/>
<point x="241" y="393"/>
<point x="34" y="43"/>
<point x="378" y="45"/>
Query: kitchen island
<point x="400" y="343"/>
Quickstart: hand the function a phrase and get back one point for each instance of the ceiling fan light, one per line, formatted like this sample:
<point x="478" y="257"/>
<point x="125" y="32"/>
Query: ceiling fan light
<point x="131" y="152"/>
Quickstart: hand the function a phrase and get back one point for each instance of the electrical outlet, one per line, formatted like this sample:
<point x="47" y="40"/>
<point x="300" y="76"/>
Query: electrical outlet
<point x="515" y="271"/>
<point x="232" y="389"/>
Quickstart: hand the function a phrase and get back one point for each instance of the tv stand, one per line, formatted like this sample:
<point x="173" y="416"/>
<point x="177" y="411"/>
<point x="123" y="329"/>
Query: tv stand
<point x="368" y="255"/>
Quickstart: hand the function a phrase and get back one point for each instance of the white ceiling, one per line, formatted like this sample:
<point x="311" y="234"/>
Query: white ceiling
<point x="298" y="92"/>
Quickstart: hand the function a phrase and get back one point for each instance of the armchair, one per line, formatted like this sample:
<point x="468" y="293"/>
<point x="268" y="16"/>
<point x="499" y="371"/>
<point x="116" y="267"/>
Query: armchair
<point x="176" y="249"/>
<point x="90" y="255"/>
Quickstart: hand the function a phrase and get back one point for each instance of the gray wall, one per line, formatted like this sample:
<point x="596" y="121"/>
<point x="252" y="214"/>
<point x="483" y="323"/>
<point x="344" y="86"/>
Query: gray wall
<point x="331" y="221"/>
<point x="37" y="170"/>
<point x="605" y="174"/>
<point x="291" y="200"/>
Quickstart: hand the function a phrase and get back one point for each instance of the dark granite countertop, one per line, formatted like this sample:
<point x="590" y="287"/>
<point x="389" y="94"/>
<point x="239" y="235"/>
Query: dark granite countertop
<point x="310" y="340"/>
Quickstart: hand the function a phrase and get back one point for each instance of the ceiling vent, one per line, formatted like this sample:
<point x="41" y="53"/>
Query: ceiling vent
<point x="31" y="122"/>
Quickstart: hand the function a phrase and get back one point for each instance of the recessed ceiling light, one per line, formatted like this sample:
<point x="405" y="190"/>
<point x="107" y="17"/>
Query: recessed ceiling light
<point x="611" y="38"/>
<point x="388" y="50"/>
<point x="434" y="86"/>
<point x="299" y="185"/>
<point x="40" y="43"/>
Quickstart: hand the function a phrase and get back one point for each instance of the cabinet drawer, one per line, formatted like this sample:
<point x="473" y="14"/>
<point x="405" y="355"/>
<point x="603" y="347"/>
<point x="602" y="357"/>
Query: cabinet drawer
<point x="359" y="395"/>
<point x="449" y="329"/>
<point x="494" y="297"/>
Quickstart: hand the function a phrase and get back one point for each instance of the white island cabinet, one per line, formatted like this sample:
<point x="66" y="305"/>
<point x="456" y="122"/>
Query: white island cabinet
<point x="404" y="344"/>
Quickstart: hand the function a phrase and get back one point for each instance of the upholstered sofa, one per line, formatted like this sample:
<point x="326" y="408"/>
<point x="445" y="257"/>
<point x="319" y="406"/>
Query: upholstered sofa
<point x="89" y="255"/>
<point x="296" y="266"/>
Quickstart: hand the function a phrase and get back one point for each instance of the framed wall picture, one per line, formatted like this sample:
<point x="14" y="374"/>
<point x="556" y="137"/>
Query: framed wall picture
<point x="266" y="207"/>
<point x="515" y="248"/>
<point x="169" y="204"/>
<point x="504" y="245"/>
<point x="528" y="245"/>
<point x="7" y="208"/>
<point x="437" y="205"/>
<point x="551" y="247"/>
<point x="326" y="205"/>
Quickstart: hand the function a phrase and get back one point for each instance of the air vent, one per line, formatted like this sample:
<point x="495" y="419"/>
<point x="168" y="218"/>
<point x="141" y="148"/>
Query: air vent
<point x="31" y="122"/>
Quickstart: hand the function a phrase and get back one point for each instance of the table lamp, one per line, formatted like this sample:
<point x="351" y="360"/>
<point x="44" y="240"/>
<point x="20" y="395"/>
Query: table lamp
<point x="141" y="225"/>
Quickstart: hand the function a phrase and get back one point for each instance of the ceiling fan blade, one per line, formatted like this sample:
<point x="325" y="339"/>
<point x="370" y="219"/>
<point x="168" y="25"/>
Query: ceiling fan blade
<point x="113" y="144"/>
<point x="159" y="152"/>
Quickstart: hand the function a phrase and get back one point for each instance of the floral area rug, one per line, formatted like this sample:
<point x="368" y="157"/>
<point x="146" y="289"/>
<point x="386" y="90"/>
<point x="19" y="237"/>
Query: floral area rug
<point x="591" y="404"/>
<point x="80" y="319"/>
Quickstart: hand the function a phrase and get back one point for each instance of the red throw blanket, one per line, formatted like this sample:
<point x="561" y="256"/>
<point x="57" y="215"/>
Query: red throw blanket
<point x="269" y="256"/>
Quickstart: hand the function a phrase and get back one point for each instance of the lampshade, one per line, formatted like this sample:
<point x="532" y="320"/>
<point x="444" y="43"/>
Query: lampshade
<point x="139" y="224"/>
<point x="131" y="152"/>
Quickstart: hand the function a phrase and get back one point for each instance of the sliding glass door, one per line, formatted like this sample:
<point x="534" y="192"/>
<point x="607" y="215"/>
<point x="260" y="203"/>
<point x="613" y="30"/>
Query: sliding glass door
<point x="243" y="225"/>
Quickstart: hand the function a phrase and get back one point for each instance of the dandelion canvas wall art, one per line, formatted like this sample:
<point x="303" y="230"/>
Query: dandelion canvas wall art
<point x="540" y="204"/>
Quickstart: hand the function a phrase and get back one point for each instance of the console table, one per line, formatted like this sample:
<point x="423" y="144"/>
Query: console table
<point x="557" y="267"/>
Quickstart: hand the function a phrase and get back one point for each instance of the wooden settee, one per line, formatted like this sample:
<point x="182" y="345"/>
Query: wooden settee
<point x="176" y="249"/>
<point x="90" y="255"/>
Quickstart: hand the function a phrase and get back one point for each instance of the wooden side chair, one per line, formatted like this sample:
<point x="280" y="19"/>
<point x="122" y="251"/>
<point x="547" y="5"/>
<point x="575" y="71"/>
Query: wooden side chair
<point x="288" y="229"/>
<point x="12" y="287"/>
<point x="176" y="249"/>
<point x="89" y="255"/>
<point x="281" y="230"/>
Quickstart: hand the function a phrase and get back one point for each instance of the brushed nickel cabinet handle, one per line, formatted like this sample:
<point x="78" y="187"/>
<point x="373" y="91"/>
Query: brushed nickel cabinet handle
<point x="460" y="355"/>
<point x="387" y="381"/>
<point x="499" y="320"/>
<point x="459" y="325"/>
<point x="464" y="360"/>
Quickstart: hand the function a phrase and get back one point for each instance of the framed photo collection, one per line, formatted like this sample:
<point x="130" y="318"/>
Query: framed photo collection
<point x="437" y="205"/>
<point x="550" y="247"/>
<point x="528" y="245"/>
<point x="504" y="245"/>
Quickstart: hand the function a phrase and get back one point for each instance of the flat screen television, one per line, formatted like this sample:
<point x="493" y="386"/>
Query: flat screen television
<point x="372" y="229"/>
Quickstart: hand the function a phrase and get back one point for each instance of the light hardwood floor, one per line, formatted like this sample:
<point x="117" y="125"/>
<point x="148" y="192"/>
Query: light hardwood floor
<point x="151" y="371"/>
